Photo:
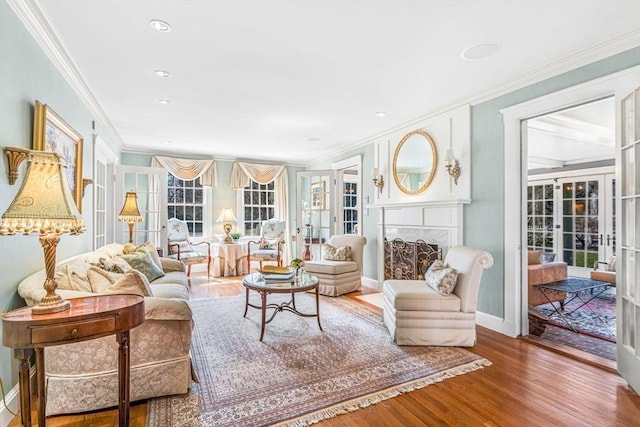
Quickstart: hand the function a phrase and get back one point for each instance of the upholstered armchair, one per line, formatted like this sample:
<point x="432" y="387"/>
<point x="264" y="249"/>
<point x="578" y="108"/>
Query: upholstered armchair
<point x="417" y="314"/>
<point x="605" y="271"/>
<point x="340" y="269"/>
<point x="182" y="248"/>
<point x="269" y="247"/>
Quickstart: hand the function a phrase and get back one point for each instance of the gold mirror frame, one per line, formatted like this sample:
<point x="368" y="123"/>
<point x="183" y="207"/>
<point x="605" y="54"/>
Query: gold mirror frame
<point x="434" y="162"/>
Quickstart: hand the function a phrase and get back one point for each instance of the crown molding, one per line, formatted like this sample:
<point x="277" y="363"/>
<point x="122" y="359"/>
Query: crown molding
<point x="37" y="23"/>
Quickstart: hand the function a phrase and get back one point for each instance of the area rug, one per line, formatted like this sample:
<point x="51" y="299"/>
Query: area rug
<point x="584" y="320"/>
<point x="298" y="375"/>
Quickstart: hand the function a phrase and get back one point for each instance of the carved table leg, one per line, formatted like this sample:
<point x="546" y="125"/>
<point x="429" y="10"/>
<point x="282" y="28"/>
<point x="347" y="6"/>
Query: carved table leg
<point x="40" y="381"/>
<point x="22" y="354"/>
<point x="123" y="378"/>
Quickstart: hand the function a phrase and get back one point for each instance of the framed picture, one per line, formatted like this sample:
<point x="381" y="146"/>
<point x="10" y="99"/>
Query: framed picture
<point x="51" y="133"/>
<point x="317" y="195"/>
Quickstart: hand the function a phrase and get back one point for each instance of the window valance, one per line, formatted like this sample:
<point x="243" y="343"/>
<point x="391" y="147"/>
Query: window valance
<point x="189" y="169"/>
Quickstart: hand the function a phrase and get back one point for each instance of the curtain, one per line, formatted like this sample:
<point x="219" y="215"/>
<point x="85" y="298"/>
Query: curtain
<point x="242" y="173"/>
<point x="189" y="169"/>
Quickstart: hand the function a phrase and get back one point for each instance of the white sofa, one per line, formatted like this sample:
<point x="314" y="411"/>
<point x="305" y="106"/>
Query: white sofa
<point x="84" y="376"/>
<point x="416" y="314"/>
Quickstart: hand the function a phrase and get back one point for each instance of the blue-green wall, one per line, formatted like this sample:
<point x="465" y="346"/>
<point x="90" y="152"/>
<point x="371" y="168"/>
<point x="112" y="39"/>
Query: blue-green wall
<point x="484" y="217"/>
<point x="27" y="75"/>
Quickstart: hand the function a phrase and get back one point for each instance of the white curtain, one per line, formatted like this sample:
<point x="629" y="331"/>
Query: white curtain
<point x="242" y="173"/>
<point x="189" y="169"/>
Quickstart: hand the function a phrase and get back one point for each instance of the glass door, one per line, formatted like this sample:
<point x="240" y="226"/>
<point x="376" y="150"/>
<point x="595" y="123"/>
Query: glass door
<point x="541" y="216"/>
<point x="582" y="223"/>
<point x="315" y="217"/>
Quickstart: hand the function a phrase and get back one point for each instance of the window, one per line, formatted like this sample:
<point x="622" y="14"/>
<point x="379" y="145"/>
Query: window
<point x="259" y="205"/>
<point x="350" y="207"/>
<point x="186" y="202"/>
<point x="540" y="207"/>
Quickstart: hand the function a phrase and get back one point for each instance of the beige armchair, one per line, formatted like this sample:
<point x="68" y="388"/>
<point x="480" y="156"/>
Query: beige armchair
<point x="269" y="247"/>
<point x="339" y="276"/>
<point x="181" y="247"/>
<point x="416" y="314"/>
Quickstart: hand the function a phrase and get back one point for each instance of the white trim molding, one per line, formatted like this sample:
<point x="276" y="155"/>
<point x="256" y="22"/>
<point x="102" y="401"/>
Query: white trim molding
<point x="36" y="22"/>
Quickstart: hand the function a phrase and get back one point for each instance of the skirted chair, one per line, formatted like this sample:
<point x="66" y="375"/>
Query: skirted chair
<point x="269" y="247"/>
<point x="181" y="247"/>
<point x="417" y="314"/>
<point x="340" y="269"/>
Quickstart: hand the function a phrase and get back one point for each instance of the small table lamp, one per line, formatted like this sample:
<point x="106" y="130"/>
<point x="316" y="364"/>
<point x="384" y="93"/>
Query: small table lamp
<point x="130" y="212"/>
<point x="227" y="217"/>
<point x="44" y="205"/>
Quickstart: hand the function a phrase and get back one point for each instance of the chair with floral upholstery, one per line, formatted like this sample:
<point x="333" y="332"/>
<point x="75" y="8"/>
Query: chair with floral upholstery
<point x="181" y="247"/>
<point x="269" y="247"/>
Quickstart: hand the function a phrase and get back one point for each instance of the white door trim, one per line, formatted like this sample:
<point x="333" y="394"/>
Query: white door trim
<point x="515" y="309"/>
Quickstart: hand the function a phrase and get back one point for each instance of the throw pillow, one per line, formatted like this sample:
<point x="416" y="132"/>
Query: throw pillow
<point x="343" y="253"/>
<point x="611" y="263"/>
<point x="266" y="244"/>
<point x="441" y="277"/>
<point x="182" y="246"/>
<point x="534" y="257"/>
<point x="154" y="253"/>
<point x="109" y="266"/>
<point x="101" y="279"/>
<point x="133" y="282"/>
<point x="141" y="261"/>
<point x="73" y="276"/>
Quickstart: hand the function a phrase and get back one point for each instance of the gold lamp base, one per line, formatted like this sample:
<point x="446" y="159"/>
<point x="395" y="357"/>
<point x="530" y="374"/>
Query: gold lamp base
<point x="227" y="230"/>
<point x="52" y="302"/>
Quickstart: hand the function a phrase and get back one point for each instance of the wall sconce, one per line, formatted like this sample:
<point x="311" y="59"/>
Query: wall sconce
<point x="452" y="166"/>
<point x="377" y="179"/>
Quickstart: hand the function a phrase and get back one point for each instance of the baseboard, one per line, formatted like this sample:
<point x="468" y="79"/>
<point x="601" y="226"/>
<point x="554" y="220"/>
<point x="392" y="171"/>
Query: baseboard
<point x="13" y="402"/>
<point x="497" y="324"/>
<point x="371" y="283"/>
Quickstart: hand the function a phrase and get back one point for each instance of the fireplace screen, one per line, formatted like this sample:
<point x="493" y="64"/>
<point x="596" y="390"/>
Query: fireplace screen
<point x="408" y="260"/>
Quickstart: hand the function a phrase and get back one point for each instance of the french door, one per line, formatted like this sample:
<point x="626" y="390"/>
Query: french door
<point x="628" y="276"/>
<point x="150" y="185"/>
<point x="315" y="217"/>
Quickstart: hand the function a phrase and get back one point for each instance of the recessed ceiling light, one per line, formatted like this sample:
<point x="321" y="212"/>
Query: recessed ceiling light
<point x="159" y="25"/>
<point x="167" y="142"/>
<point x="314" y="139"/>
<point x="381" y="114"/>
<point x="163" y="74"/>
<point x="480" y="51"/>
<point x="165" y="102"/>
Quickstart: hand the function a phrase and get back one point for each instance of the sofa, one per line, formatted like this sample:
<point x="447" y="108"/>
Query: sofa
<point x="540" y="272"/>
<point x="84" y="376"/>
<point x="607" y="273"/>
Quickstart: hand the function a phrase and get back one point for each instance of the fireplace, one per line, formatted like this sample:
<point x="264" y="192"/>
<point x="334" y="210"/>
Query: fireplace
<point x="408" y="260"/>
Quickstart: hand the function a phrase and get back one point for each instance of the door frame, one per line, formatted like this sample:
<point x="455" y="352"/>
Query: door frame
<point x="515" y="320"/>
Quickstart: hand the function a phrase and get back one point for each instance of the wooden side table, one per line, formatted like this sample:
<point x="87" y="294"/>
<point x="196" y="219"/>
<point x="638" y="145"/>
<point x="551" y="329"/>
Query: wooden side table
<point x="89" y="318"/>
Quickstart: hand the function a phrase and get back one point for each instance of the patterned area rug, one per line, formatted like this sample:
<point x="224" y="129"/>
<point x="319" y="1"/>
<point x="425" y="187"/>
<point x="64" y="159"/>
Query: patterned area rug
<point x="586" y="321"/>
<point x="298" y="375"/>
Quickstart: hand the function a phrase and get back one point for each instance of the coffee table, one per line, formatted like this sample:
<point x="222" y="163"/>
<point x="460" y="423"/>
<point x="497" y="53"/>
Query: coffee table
<point x="257" y="282"/>
<point x="584" y="290"/>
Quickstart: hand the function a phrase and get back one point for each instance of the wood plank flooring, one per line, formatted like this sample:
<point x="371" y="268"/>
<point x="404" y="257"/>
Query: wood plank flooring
<point x="527" y="385"/>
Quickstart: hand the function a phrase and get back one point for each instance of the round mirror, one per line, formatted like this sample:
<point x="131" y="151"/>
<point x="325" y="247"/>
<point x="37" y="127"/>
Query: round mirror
<point x="414" y="162"/>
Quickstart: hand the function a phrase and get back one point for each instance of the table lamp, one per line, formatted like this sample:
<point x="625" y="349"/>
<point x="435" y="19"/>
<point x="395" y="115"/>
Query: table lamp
<point x="44" y="205"/>
<point x="227" y="217"/>
<point x="130" y="212"/>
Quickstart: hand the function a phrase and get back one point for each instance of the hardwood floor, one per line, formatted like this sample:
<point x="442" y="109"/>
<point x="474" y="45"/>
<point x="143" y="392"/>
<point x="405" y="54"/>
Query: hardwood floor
<point x="527" y="385"/>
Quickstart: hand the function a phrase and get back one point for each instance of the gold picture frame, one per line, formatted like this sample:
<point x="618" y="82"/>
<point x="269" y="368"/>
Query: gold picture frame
<point x="317" y="195"/>
<point x="51" y="133"/>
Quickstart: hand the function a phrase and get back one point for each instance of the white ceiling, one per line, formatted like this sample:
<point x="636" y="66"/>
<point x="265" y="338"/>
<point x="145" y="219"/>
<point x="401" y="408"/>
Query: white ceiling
<point x="293" y="81"/>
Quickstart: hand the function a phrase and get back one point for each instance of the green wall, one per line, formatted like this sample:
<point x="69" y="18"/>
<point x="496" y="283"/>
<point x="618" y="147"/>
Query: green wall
<point x="27" y="75"/>
<point x="484" y="216"/>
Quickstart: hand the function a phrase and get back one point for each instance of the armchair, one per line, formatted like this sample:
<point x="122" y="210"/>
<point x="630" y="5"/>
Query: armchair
<point x="608" y="274"/>
<point x="337" y="276"/>
<point x="417" y="314"/>
<point x="269" y="247"/>
<point x="181" y="247"/>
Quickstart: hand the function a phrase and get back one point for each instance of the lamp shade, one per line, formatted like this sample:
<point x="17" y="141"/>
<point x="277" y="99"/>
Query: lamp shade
<point x="130" y="211"/>
<point x="226" y="215"/>
<point x="44" y="203"/>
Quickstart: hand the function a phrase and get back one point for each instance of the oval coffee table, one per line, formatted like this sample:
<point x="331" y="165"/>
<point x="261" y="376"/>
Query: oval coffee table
<point x="256" y="282"/>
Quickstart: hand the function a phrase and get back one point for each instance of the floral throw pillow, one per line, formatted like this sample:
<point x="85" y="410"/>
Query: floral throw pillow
<point x="343" y="253"/>
<point x="141" y="260"/>
<point x="441" y="277"/>
<point x="266" y="244"/>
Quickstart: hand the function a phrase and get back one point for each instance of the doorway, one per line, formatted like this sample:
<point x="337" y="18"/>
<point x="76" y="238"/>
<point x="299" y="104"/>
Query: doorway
<point x="570" y="218"/>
